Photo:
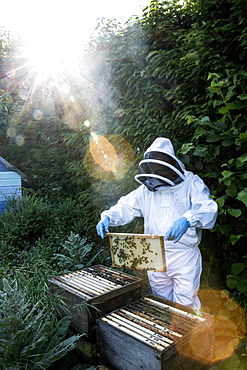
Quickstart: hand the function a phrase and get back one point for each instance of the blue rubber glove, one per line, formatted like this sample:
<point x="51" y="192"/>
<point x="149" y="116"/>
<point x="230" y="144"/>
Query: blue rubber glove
<point x="103" y="226"/>
<point x="177" y="229"/>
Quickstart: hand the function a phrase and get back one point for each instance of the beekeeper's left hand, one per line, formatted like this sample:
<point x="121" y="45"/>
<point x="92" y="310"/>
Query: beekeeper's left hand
<point x="177" y="229"/>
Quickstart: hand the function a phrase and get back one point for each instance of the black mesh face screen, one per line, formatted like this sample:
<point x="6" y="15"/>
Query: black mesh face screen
<point x="164" y="158"/>
<point x="158" y="169"/>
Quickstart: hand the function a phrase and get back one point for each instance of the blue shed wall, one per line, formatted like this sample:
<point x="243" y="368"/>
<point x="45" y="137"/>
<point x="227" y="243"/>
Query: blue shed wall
<point x="10" y="184"/>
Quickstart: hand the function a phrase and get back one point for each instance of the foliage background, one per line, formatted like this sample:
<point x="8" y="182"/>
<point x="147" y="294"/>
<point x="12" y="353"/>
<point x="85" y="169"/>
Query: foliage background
<point x="177" y="71"/>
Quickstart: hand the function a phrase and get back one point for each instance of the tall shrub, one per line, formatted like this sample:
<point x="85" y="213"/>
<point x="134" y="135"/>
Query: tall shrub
<point x="218" y="151"/>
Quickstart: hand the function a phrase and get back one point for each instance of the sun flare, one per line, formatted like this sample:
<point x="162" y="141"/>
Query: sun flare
<point x="44" y="58"/>
<point x="51" y="38"/>
<point x="55" y="32"/>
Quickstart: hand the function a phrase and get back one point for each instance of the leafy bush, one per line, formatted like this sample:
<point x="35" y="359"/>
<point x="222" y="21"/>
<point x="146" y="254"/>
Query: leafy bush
<point x="75" y="254"/>
<point x="30" y="337"/>
<point x="25" y="220"/>
<point x="30" y="218"/>
<point x="218" y="151"/>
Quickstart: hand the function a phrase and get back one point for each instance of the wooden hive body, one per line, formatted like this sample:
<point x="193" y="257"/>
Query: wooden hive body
<point x="153" y="333"/>
<point x="92" y="292"/>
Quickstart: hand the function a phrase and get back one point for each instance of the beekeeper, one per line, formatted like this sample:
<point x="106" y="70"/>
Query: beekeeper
<point x="175" y="203"/>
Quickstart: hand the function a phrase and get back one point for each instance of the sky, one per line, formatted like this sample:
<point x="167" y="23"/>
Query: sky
<point x="63" y="18"/>
<point x="59" y="28"/>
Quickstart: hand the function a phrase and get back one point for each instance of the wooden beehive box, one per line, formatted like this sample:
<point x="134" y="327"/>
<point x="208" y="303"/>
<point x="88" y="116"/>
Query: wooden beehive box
<point x="154" y="333"/>
<point x="89" y="293"/>
<point x="138" y="251"/>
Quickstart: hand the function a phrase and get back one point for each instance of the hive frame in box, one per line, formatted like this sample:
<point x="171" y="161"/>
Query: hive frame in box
<point x="83" y="308"/>
<point x="138" y="251"/>
<point x="156" y="334"/>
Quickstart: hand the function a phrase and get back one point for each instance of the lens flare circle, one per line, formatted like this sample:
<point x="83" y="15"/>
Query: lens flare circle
<point x="103" y="153"/>
<point x="108" y="157"/>
<point x="228" y="329"/>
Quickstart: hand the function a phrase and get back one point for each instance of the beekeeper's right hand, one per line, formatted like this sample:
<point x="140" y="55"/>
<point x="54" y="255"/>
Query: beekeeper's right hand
<point x="103" y="226"/>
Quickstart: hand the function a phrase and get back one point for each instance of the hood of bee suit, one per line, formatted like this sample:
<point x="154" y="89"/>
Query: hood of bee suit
<point x="160" y="167"/>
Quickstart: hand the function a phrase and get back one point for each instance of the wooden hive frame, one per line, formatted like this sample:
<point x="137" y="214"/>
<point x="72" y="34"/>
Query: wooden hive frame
<point x="138" y="251"/>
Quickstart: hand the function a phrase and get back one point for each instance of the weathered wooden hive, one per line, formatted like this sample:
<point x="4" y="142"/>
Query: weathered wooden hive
<point x="93" y="292"/>
<point x="154" y="333"/>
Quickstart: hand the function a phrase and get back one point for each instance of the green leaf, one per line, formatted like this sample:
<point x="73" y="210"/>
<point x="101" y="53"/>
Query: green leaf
<point x="217" y="102"/>
<point x="227" y="173"/>
<point x="243" y="176"/>
<point x="226" y="109"/>
<point x="231" y="283"/>
<point x="243" y="136"/>
<point x="234" y="238"/>
<point x="201" y="151"/>
<point x="220" y="201"/>
<point x="227" y="142"/>
<point x="234" y="212"/>
<point x="191" y="119"/>
<point x="224" y="293"/>
<point x="237" y="268"/>
<point x="241" y="160"/>
<point x="231" y="190"/>
<point x="230" y="162"/>
<point x="242" y="196"/>
<point x="213" y="75"/>
<point x="221" y="125"/>
<point x="225" y="229"/>
<point x="212" y="138"/>
<point x="226" y="177"/>
<point x="242" y="285"/>
<point x="57" y="352"/>
<point x="229" y="94"/>
<point x="205" y="119"/>
<point x="199" y="132"/>
<point x="186" y="148"/>
<point x="242" y="96"/>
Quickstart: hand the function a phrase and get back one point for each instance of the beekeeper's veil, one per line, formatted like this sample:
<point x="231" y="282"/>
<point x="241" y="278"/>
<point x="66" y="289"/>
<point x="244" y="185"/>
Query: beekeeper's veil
<point x="160" y="166"/>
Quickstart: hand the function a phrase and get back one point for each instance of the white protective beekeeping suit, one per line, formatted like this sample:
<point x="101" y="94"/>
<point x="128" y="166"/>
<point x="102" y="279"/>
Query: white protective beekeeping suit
<point x="172" y="195"/>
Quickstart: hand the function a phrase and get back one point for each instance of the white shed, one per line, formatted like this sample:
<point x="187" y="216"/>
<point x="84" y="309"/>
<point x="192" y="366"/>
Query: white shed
<point x="10" y="181"/>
